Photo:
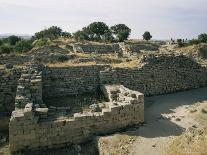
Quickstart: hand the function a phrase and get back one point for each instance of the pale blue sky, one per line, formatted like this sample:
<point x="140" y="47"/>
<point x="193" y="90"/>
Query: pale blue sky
<point x="163" y="18"/>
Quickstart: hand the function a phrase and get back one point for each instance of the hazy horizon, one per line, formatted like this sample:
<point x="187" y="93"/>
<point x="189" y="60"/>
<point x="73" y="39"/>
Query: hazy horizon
<point x="176" y="19"/>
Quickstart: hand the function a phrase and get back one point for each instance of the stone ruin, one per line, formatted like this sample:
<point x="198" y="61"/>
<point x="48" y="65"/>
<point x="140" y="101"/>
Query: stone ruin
<point x="34" y="124"/>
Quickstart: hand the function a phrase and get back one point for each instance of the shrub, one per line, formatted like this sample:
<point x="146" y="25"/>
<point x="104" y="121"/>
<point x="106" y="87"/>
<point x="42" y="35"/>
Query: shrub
<point x="202" y="52"/>
<point x="23" y="46"/>
<point x="180" y="42"/>
<point x="6" y="49"/>
<point x="12" y="40"/>
<point x="194" y="42"/>
<point x="202" y="38"/>
<point x="40" y="42"/>
<point x="62" y="58"/>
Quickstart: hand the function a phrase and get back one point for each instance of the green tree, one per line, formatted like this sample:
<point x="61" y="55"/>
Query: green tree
<point x="202" y="38"/>
<point x="51" y="33"/>
<point x="121" y="31"/>
<point x="80" y="35"/>
<point x="12" y="40"/>
<point x="108" y="36"/>
<point x="1" y="42"/>
<point x="23" y="46"/>
<point x="147" y="36"/>
<point x="66" y="35"/>
<point x="6" y="49"/>
<point x="96" y="30"/>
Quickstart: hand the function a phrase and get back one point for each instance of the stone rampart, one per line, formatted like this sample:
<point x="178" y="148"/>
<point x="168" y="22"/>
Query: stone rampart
<point x="8" y="84"/>
<point x="159" y="75"/>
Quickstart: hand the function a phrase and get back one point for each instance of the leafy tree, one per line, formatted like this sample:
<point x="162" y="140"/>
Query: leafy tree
<point x="6" y="49"/>
<point x="66" y="34"/>
<point x="1" y="42"/>
<point x="121" y="31"/>
<point x="23" y="46"/>
<point x="96" y="30"/>
<point x="147" y="36"/>
<point x="108" y="36"/>
<point x="12" y="40"/>
<point x="202" y="38"/>
<point x="51" y="33"/>
<point x="80" y="35"/>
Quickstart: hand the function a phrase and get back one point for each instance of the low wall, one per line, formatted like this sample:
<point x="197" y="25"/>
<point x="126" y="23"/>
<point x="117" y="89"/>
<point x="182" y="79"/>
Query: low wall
<point x="71" y="80"/>
<point x="101" y="48"/>
<point x="33" y="128"/>
<point x="159" y="75"/>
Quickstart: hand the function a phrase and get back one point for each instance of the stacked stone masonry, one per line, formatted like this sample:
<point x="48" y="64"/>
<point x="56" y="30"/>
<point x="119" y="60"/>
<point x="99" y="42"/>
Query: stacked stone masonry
<point x="92" y="48"/>
<point x="31" y="129"/>
<point x="8" y="84"/>
<point x="31" y="126"/>
<point x="159" y="75"/>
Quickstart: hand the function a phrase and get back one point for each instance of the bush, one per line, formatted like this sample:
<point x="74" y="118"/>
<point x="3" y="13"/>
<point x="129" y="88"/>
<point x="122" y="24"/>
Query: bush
<point x="180" y="42"/>
<point x="194" y="42"/>
<point x="40" y="42"/>
<point x="23" y="46"/>
<point x="62" y="58"/>
<point x="202" y="38"/>
<point x="202" y="52"/>
<point x="6" y="49"/>
<point x="12" y="40"/>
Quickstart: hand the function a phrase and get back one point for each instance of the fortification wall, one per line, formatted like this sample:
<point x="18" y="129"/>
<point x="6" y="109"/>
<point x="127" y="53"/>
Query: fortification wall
<point x="159" y="75"/>
<point x="99" y="48"/>
<point x="71" y="80"/>
<point x="33" y="128"/>
<point x="8" y="84"/>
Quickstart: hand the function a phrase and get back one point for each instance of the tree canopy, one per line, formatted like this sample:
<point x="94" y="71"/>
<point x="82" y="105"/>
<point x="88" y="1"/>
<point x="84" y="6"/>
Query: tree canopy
<point x="147" y="36"/>
<point x="53" y="32"/>
<point x="202" y="37"/>
<point x="12" y="40"/>
<point x="121" y="32"/>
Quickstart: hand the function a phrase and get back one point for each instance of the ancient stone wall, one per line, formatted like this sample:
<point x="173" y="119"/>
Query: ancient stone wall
<point x="32" y="128"/>
<point x="159" y="75"/>
<point x="99" y="48"/>
<point x="136" y="48"/>
<point x="71" y="80"/>
<point x="8" y="84"/>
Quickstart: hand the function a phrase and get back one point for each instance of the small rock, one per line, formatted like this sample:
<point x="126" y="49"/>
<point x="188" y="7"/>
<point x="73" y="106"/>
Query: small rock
<point x="178" y="119"/>
<point x="154" y="145"/>
<point x="204" y="111"/>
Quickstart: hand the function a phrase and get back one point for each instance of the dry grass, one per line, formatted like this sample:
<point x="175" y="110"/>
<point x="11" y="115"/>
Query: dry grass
<point x="97" y="59"/>
<point x="129" y="64"/>
<point x="194" y="141"/>
<point x="115" y="145"/>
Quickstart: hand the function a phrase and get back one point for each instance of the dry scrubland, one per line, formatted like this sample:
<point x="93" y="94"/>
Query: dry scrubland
<point x="171" y="127"/>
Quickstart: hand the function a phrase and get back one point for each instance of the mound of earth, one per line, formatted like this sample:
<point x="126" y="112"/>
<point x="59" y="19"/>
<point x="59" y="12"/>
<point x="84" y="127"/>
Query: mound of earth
<point x="49" y="54"/>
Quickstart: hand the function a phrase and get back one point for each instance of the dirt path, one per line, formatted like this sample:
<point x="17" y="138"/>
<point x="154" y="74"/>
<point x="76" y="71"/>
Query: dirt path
<point x="166" y="117"/>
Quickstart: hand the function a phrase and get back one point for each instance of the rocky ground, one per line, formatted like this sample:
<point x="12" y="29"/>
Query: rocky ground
<point x="174" y="124"/>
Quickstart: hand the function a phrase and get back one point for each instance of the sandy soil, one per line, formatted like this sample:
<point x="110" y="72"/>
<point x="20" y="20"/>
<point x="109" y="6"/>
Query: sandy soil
<point x="166" y="118"/>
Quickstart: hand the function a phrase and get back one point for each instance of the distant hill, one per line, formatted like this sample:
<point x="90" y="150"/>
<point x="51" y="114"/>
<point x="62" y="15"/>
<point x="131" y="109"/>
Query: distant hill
<point x="23" y="36"/>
